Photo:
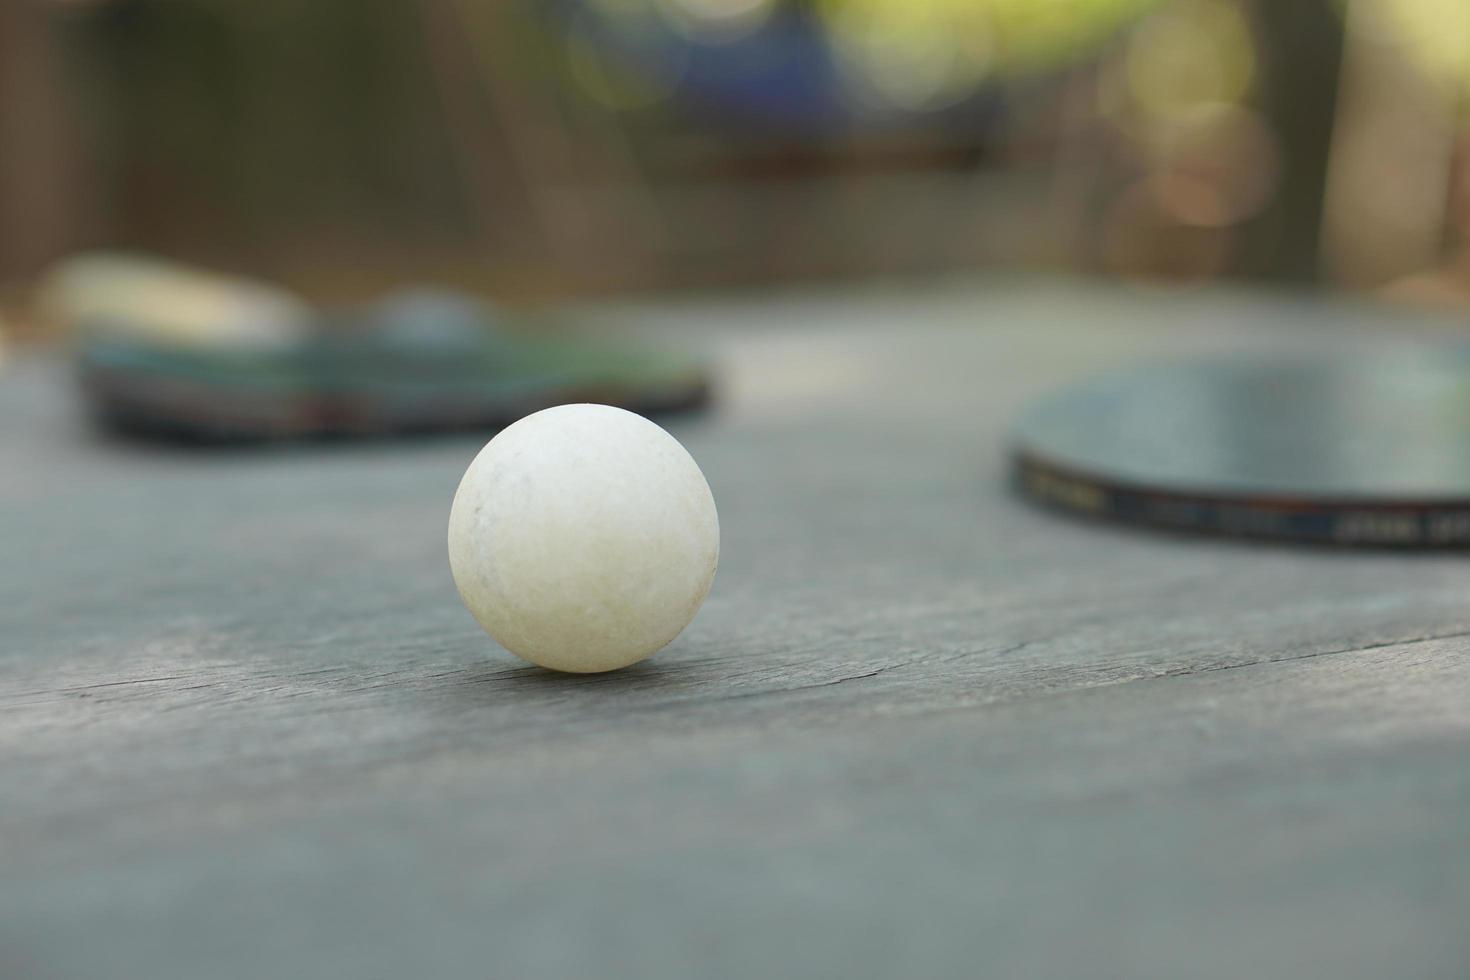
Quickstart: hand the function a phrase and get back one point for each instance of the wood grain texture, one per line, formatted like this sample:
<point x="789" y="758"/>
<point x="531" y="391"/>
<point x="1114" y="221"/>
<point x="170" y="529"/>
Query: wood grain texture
<point x="919" y="729"/>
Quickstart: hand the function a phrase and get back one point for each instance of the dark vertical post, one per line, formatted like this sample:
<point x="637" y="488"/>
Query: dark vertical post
<point x="40" y="187"/>
<point x="1300" y="57"/>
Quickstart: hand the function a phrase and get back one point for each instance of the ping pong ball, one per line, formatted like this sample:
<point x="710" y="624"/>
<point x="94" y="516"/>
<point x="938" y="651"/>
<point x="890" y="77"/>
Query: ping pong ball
<point x="583" y="538"/>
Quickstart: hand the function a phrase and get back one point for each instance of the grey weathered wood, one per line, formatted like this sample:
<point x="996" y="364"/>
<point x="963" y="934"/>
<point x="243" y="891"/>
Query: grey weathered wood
<point x="919" y="730"/>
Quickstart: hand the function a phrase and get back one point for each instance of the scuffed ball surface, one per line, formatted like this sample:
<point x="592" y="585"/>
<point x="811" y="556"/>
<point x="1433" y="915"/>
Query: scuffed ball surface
<point x="583" y="538"/>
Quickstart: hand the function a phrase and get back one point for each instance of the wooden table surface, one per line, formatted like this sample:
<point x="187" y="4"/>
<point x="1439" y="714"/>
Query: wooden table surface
<point x="919" y="729"/>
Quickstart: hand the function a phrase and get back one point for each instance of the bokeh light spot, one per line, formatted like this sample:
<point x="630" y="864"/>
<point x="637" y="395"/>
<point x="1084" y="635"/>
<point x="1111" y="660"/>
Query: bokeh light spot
<point x="1188" y="53"/>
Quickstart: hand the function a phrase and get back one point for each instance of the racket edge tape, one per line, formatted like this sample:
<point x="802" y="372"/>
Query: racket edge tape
<point x="1348" y="522"/>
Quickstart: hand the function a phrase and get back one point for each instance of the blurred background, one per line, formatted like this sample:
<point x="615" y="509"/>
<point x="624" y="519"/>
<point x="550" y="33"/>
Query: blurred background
<point x="535" y="150"/>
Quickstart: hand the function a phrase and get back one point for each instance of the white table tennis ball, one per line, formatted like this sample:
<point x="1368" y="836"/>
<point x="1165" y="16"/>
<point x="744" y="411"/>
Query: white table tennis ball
<point x="583" y="538"/>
